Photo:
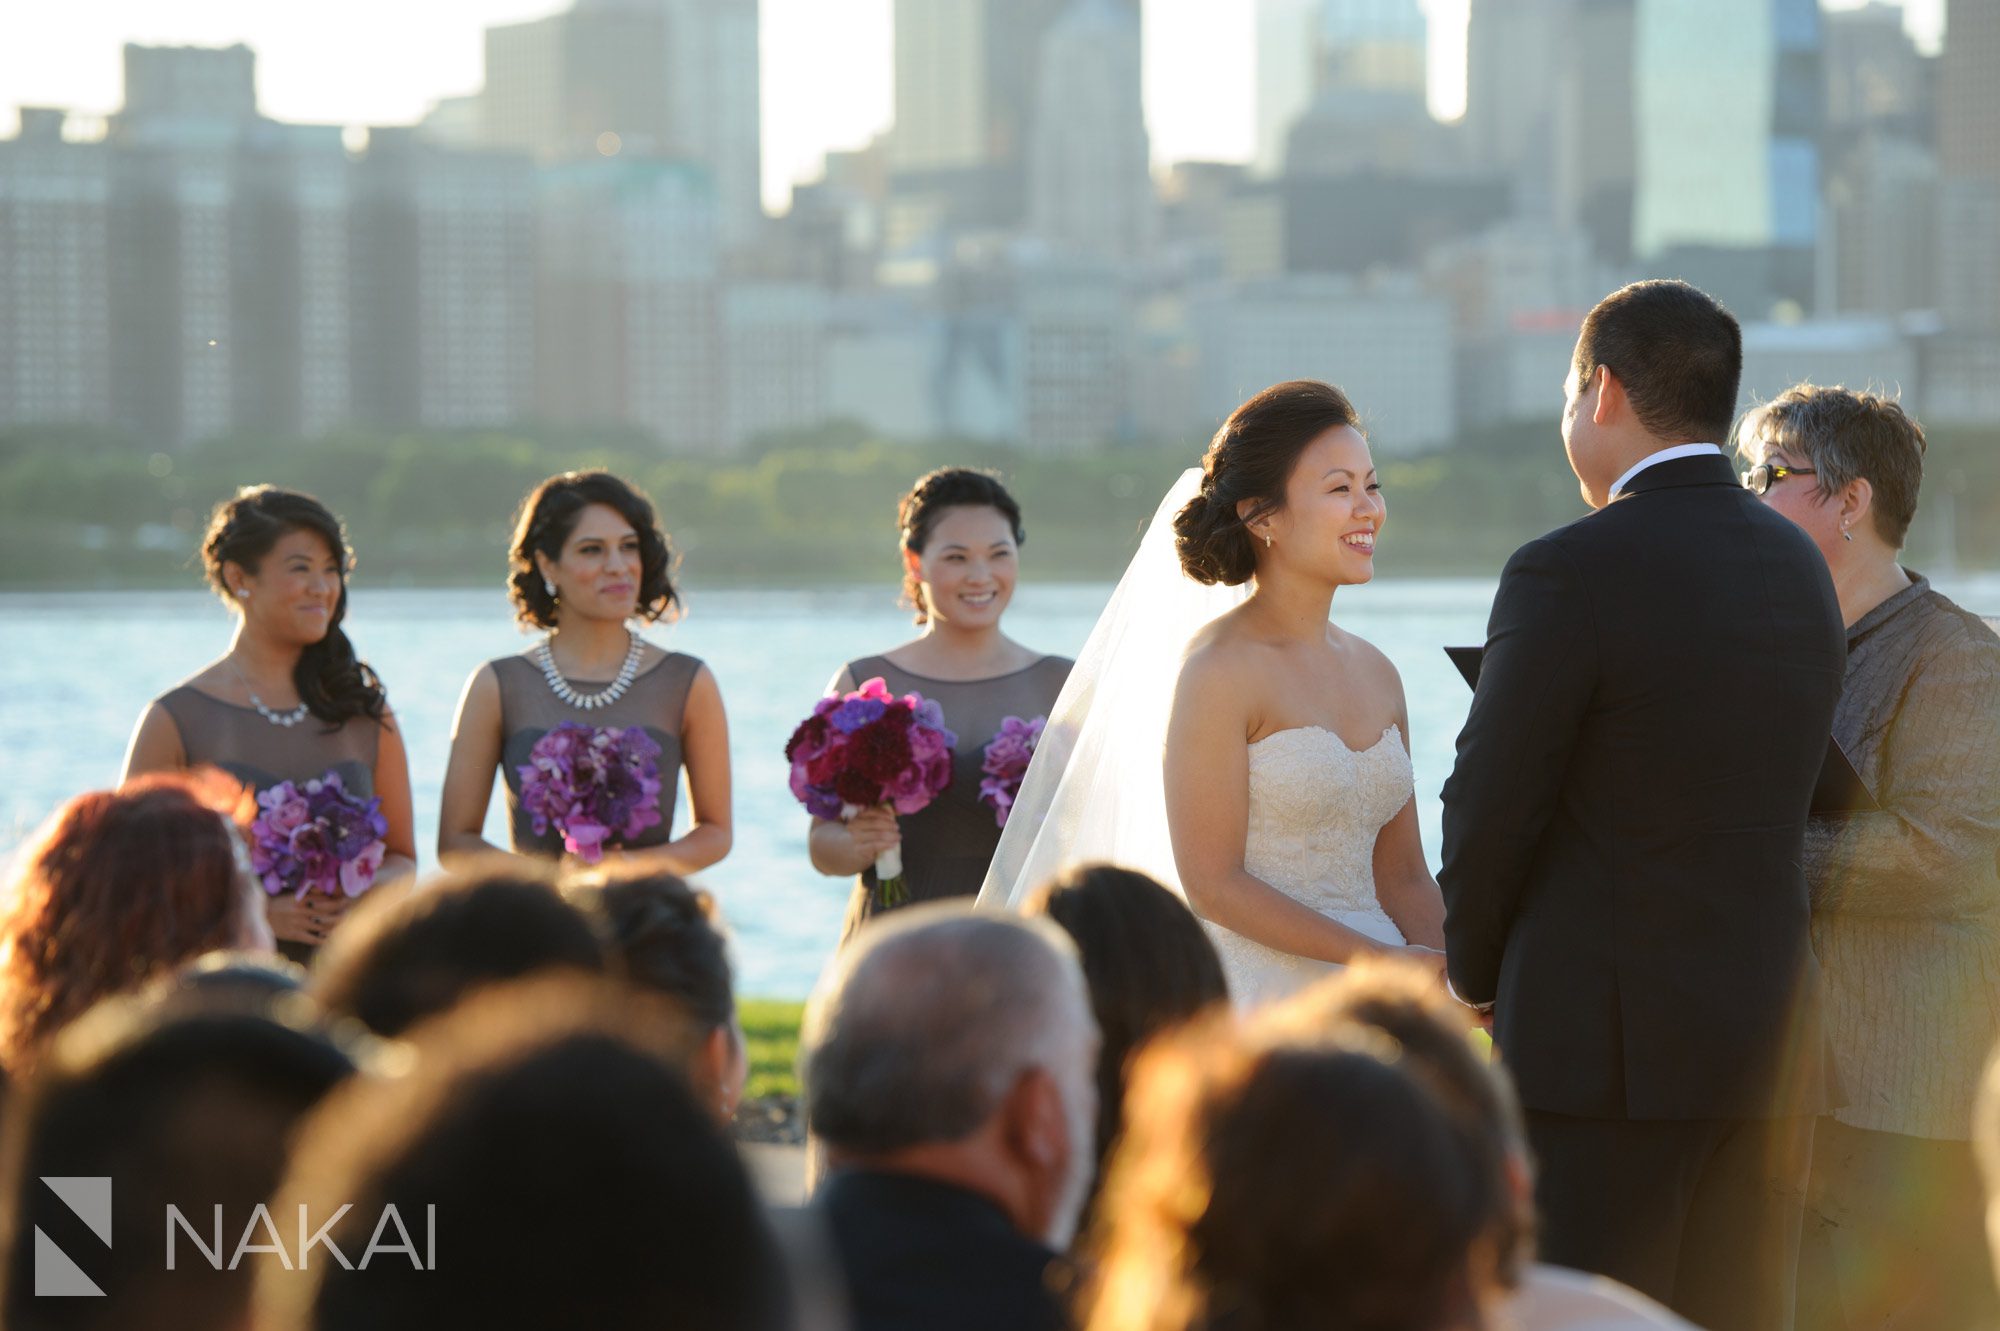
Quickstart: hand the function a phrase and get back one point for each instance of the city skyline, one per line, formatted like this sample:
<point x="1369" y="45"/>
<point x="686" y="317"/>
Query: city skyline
<point x="825" y="68"/>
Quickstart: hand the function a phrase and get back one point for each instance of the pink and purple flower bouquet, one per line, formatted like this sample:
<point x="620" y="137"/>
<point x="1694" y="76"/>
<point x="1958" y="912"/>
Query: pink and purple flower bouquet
<point x="1006" y="762"/>
<point x="597" y="786"/>
<point x="868" y="748"/>
<point x="318" y="838"/>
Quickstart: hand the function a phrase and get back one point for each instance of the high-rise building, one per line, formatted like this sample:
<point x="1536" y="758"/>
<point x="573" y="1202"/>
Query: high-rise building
<point x="1090" y="182"/>
<point x="1287" y="52"/>
<point x="965" y="75"/>
<point x="1969" y="161"/>
<point x="1968" y="92"/>
<point x="774" y="343"/>
<point x="55" y="299"/>
<point x="1515" y="53"/>
<point x="1880" y="250"/>
<point x="1076" y="358"/>
<point x="1341" y="85"/>
<point x="625" y="302"/>
<point x="1876" y="79"/>
<point x="1389" y="346"/>
<point x="1728" y="188"/>
<point x="172" y="83"/>
<point x="672" y="78"/>
<point x="444" y="306"/>
<point x="291" y="282"/>
<point x="1597" y="126"/>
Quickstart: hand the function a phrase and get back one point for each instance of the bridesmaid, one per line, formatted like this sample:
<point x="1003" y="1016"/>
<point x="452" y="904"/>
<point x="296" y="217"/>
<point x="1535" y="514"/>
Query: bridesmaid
<point x="961" y="546"/>
<point x="289" y="700"/>
<point x="588" y="558"/>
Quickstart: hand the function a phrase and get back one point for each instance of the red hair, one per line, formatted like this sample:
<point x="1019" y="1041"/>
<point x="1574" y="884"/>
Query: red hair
<point x="118" y="887"/>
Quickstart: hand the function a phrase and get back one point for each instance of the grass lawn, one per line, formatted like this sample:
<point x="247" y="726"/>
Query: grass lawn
<point x="771" y="1028"/>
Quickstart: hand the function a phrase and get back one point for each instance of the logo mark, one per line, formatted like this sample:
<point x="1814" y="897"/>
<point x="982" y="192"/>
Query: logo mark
<point x="56" y="1276"/>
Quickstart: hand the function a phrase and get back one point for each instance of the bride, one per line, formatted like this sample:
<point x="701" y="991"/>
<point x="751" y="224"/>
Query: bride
<point x="1267" y="776"/>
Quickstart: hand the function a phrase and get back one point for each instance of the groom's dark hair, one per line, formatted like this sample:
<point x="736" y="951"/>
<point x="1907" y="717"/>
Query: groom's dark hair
<point x="1677" y="352"/>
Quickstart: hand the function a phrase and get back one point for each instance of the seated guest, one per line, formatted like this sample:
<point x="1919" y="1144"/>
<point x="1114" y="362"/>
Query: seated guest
<point x="400" y="960"/>
<point x="664" y="936"/>
<point x="577" y="1179"/>
<point x="1434" y="1034"/>
<point x="948" y="1062"/>
<point x="1906" y="898"/>
<point x="118" y="887"/>
<point x="173" y="1105"/>
<point x="1280" y="1183"/>
<point x="1148" y="963"/>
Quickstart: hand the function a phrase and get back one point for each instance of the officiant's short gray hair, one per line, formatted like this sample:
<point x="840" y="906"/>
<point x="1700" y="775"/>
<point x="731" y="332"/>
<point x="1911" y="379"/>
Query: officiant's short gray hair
<point x="930" y="1016"/>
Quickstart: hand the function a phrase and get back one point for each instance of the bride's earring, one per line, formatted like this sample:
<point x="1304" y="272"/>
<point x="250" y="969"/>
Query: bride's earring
<point x="1267" y="540"/>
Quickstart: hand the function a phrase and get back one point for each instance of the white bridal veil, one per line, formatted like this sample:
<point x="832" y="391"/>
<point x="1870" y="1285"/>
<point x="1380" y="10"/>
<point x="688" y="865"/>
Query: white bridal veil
<point x="1095" y="790"/>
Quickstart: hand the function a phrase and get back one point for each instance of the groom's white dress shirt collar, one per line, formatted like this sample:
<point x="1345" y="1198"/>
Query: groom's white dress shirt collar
<point x="1664" y="455"/>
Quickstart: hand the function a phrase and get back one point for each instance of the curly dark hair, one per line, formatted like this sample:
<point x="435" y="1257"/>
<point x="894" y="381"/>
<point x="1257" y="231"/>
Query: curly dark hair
<point x="1251" y="457"/>
<point x="917" y="514"/>
<point x="334" y="684"/>
<point x="547" y="517"/>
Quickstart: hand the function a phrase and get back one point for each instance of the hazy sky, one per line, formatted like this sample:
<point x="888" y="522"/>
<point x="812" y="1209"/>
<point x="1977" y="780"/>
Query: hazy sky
<point x="826" y="63"/>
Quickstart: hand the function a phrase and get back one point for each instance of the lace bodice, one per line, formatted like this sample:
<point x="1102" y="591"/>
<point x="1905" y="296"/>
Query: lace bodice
<point x="1316" y="807"/>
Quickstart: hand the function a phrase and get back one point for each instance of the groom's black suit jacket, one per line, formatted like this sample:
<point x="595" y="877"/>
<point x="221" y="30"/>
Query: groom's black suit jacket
<point x="1623" y="828"/>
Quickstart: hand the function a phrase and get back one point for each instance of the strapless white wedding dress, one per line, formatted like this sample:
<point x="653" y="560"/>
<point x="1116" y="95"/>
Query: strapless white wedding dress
<point x="1316" y="807"/>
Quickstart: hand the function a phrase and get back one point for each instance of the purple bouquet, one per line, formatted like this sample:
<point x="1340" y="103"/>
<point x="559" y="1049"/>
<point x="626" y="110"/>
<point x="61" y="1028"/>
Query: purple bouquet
<point x="869" y="748"/>
<point x="594" y="785"/>
<point x="319" y="839"/>
<point x="1006" y="763"/>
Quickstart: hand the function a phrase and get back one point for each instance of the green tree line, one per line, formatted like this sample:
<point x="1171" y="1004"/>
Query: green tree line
<point x="89" y="508"/>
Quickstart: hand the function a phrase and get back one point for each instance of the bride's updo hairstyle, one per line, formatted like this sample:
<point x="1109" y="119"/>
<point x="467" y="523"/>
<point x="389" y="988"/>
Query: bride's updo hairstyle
<point x="333" y="683"/>
<point x="1251" y="457"/>
<point x="548" y="516"/>
<point x="935" y="492"/>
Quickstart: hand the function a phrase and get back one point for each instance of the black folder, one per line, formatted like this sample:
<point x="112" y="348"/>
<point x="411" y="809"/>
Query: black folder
<point x="1839" y="790"/>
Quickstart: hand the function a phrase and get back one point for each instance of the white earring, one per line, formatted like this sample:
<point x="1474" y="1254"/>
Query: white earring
<point x="242" y="593"/>
<point x="1267" y="540"/>
<point x="548" y="587"/>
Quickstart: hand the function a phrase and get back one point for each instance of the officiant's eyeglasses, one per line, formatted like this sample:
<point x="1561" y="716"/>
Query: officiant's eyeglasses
<point x="1767" y="474"/>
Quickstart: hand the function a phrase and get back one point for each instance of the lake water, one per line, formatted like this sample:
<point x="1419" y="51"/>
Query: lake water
<point x="78" y="668"/>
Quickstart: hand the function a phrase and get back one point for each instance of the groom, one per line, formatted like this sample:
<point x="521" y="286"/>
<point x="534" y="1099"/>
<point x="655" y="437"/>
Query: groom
<point x="1622" y="831"/>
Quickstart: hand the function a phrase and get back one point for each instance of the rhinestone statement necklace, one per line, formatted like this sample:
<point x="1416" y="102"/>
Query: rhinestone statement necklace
<point x="590" y="702"/>
<point x="283" y="720"/>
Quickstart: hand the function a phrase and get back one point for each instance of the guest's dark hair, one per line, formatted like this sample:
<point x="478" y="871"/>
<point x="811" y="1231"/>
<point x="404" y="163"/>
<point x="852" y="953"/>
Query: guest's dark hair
<point x="118" y="887"/>
<point x="1147" y="961"/>
<point x="577" y="1177"/>
<point x="663" y="934"/>
<point x="1677" y="352"/>
<point x="1404" y="1003"/>
<point x="397" y="962"/>
<point x="547" y="518"/>
<point x="333" y="683"/>
<point x="193" y="1109"/>
<point x="917" y="515"/>
<point x="1265" y="1186"/>
<point x="1846" y="436"/>
<point x="1251" y="457"/>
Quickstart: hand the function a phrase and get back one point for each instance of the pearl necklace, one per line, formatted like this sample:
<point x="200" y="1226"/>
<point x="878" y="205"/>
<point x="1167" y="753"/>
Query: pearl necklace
<point x="283" y="720"/>
<point x="604" y="697"/>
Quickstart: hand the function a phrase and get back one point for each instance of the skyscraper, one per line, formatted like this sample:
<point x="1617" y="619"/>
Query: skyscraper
<point x="1876" y="79"/>
<point x="1596" y="126"/>
<point x="1287" y="50"/>
<point x="1515" y="53"/>
<point x="1090" y="183"/>
<point x="55" y="314"/>
<point x="965" y="98"/>
<point x="669" y="78"/>
<point x="1969" y="160"/>
<point x="1728" y="184"/>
